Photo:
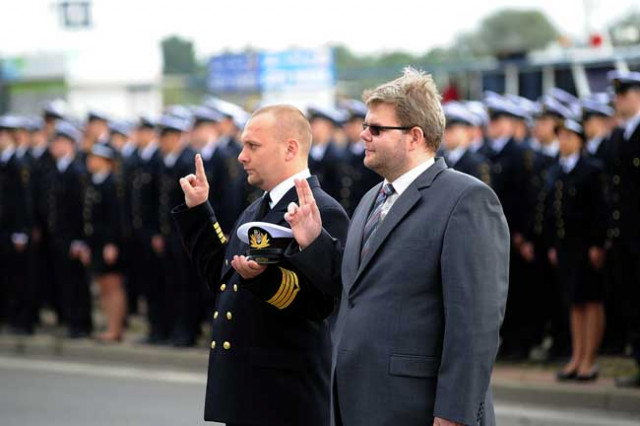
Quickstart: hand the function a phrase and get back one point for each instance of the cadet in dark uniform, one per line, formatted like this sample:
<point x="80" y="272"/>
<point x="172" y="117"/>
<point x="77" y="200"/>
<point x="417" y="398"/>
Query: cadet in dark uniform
<point x="270" y="356"/>
<point x="511" y="168"/>
<point x="16" y="287"/>
<point x="577" y="230"/>
<point x="624" y="170"/>
<point x="596" y="119"/>
<point x="102" y="214"/>
<point x="63" y="224"/>
<point x="546" y="295"/>
<point x="357" y="179"/>
<point x="52" y="112"/>
<point x="183" y="287"/>
<point x="145" y="266"/>
<point x="96" y="131"/>
<point x="42" y="167"/>
<point x="458" y="135"/>
<point x="325" y="159"/>
<point x="229" y="182"/>
<point x="204" y="139"/>
<point x="124" y="147"/>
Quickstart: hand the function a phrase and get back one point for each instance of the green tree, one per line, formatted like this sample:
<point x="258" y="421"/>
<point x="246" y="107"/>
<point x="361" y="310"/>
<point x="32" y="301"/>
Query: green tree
<point x="510" y="31"/>
<point x="625" y="30"/>
<point x="179" y="56"/>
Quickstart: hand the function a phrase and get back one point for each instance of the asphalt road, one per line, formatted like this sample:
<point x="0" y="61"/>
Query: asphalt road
<point x="36" y="392"/>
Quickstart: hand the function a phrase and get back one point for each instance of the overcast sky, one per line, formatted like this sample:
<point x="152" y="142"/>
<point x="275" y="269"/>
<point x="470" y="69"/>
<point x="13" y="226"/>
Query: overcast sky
<point x="28" y="26"/>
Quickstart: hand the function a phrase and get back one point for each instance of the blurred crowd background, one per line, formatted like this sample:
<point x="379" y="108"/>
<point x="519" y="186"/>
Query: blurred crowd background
<point x="95" y="135"/>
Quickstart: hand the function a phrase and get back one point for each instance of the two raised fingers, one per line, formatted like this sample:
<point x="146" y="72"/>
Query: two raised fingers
<point x="305" y="196"/>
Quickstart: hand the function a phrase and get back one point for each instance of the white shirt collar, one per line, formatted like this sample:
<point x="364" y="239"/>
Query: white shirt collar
<point x="208" y="150"/>
<point x="7" y="154"/>
<point x="475" y="145"/>
<point x="37" y="151"/>
<point x="98" y="178"/>
<point x="128" y="148"/>
<point x="171" y="158"/>
<point x="357" y="148"/>
<point x="498" y="144"/>
<point x="63" y="163"/>
<point x="454" y="156"/>
<point x="631" y="126"/>
<point x="283" y="187"/>
<point x="21" y="151"/>
<point x="594" y="143"/>
<point x="550" y="149"/>
<point x="402" y="183"/>
<point x="318" y="151"/>
<point x="569" y="163"/>
<point x="148" y="151"/>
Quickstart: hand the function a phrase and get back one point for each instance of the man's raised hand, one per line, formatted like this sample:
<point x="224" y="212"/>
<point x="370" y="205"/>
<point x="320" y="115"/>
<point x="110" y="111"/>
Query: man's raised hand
<point x="305" y="220"/>
<point x="195" y="187"/>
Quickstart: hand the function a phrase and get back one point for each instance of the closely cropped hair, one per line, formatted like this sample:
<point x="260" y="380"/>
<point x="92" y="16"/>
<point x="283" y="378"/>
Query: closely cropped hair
<point x="290" y="123"/>
<point x="417" y="103"/>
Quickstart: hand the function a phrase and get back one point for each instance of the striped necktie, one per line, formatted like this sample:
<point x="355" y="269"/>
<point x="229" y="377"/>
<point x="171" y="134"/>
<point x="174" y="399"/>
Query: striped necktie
<point x="374" y="218"/>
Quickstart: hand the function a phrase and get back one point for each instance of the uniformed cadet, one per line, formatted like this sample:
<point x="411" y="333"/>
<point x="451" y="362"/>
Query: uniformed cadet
<point x="119" y="139"/>
<point x="550" y="313"/>
<point x="16" y="286"/>
<point x="325" y="159"/>
<point x="96" y="131"/>
<point x="52" y="112"/>
<point x="63" y="223"/>
<point x="624" y="171"/>
<point x="42" y="165"/>
<point x="205" y="136"/>
<point x="103" y="231"/>
<point x="270" y="355"/>
<point x="511" y="168"/>
<point x="458" y="135"/>
<point x="523" y="122"/>
<point x="356" y="179"/>
<point x="233" y="193"/>
<point x="144" y="263"/>
<point x="479" y="130"/>
<point x="576" y="213"/>
<point x="183" y="287"/>
<point x="595" y="120"/>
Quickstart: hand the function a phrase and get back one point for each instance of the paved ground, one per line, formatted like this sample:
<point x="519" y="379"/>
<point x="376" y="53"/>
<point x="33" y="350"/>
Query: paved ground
<point x="50" y="380"/>
<point x="55" y="393"/>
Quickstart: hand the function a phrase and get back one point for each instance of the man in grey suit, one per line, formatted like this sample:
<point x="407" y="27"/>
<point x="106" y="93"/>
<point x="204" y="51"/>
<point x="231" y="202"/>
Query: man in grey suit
<point x="424" y="274"/>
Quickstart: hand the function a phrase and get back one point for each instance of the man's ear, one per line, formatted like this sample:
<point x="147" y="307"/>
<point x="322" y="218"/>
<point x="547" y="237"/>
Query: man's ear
<point x="417" y="137"/>
<point x="293" y="147"/>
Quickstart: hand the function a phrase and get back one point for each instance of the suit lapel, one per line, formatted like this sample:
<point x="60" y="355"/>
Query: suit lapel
<point x="353" y="246"/>
<point x="403" y="205"/>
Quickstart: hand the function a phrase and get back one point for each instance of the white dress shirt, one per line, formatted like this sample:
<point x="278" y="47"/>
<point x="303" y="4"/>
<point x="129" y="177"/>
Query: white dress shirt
<point x="283" y="187"/>
<point x="402" y="183"/>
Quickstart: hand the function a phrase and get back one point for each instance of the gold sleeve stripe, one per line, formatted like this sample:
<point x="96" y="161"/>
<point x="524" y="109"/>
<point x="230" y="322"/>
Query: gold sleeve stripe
<point x="292" y="296"/>
<point x="221" y="236"/>
<point x="283" y="287"/>
<point x="285" y="296"/>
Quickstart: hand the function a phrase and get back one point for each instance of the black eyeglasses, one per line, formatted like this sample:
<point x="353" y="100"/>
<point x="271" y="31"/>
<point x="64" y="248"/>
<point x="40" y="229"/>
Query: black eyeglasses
<point x="375" y="129"/>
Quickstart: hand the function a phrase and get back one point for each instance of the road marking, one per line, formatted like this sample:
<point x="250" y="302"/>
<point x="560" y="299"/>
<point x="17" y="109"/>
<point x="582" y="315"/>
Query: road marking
<point x="116" y="372"/>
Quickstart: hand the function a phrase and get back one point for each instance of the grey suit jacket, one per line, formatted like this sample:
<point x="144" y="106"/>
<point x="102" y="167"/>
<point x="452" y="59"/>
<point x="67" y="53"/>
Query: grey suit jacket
<point x="417" y="330"/>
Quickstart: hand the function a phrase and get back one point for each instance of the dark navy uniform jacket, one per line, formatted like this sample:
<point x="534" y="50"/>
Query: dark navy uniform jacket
<point x="270" y="355"/>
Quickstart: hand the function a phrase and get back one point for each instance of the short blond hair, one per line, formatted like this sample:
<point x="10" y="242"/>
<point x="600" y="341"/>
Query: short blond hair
<point x="290" y="122"/>
<point x="417" y="103"/>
